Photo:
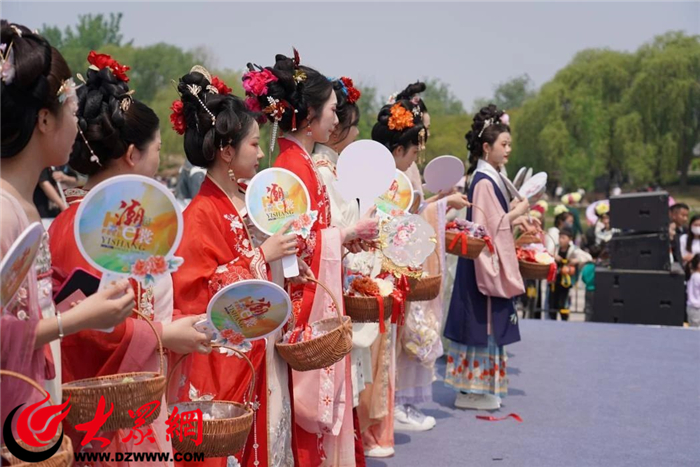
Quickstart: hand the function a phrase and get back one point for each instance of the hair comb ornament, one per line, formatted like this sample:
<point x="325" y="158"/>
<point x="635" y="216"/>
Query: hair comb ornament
<point x="202" y="71"/>
<point x="7" y="63"/>
<point x="125" y="100"/>
<point x="503" y="119"/>
<point x="67" y="91"/>
<point x="16" y="30"/>
<point x="195" y="90"/>
<point x="299" y="75"/>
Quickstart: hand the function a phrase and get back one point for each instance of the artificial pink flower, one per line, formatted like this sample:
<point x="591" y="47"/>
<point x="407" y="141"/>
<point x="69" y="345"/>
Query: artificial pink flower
<point x="255" y="82"/>
<point x="140" y="268"/>
<point x="157" y="265"/>
<point x="252" y="104"/>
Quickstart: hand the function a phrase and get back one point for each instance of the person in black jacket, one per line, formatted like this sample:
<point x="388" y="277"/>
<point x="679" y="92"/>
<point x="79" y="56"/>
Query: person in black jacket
<point x="678" y="215"/>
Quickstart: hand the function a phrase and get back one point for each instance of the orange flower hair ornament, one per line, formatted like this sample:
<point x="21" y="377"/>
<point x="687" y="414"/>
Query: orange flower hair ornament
<point x="400" y="118"/>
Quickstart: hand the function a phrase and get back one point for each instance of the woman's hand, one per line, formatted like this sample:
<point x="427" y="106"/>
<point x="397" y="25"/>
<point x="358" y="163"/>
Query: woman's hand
<point x="530" y="225"/>
<point x="102" y="310"/>
<point x="458" y="201"/>
<point x="367" y="228"/>
<point x="521" y="208"/>
<point x="181" y="337"/>
<point x="305" y="273"/>
<point x="280" y="245"/>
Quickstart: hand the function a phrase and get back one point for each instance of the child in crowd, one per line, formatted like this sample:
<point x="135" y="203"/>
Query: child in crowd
<point x="588" y="278"/>
<point x="693" y="290"/>
<point x="566" y="270"/>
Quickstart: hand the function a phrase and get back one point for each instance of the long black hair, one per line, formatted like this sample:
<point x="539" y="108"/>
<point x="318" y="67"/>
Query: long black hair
<point x="110" y="121"/>
<point x="394" y="138"/>
<point x="478" y="135"/>
<point x="204" y="135"/>
<point x="691" y="236"/>
<point x="39" y="72"/>
<point x="348" y="113"/>
<point x="300" y="87"/>
<point x="692" y="266"/>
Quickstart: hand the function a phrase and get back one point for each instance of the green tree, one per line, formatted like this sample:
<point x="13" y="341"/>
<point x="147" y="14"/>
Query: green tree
<point x="93" y="32"/>
<point x="664" y="103"/>
<point x="510" y="94"/>
<point x="440" y="100"/>
<point x="369" y="106"/>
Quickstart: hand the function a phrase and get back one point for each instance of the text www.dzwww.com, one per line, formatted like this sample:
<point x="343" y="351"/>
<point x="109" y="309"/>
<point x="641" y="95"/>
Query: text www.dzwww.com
<point x="137" y="457"/>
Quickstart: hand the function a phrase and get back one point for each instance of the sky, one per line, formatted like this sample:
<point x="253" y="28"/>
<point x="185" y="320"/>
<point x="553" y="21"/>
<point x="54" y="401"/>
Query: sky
<point x="471" y="46"/>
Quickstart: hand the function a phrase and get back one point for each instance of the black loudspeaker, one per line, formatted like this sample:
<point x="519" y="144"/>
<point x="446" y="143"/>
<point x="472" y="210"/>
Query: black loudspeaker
<point x="639" y="297"/>
<point x="641" y="212"/>
<point x="643" y="251"/>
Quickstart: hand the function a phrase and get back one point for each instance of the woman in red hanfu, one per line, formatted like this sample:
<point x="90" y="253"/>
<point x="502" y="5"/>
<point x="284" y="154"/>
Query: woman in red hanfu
<point x="38" y="129"/>
<point x="118" y="136"/>
<point x="219" y="247"/>
<point x="300" y="101"/>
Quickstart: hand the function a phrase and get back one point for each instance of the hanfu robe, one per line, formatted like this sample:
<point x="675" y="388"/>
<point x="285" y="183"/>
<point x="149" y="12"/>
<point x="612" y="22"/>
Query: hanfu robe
<point x="323" y="429"/>
<point x="218" y="250"/>
<point x="19" y="321"/>
<point x="130" y="347"/>
<point x="482" y="317"/>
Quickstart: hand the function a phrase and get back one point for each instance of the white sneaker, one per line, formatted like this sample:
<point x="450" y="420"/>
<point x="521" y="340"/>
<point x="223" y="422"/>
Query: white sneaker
<point x="379" y="452"/>
<point x="409" y="418"/>
<point x="477" y="401"/>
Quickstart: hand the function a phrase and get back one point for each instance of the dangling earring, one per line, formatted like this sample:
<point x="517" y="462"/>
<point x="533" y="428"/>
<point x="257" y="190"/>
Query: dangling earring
<point x="231" y="175"/>
<point x="308" y="130"/>
<point x="486" y="158"/>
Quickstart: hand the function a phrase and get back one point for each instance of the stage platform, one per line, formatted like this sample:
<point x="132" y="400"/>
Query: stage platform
<point x="589" y="394"/>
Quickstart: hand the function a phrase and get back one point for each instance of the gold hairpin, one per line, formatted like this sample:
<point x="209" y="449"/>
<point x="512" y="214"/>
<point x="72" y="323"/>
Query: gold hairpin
<point x="195" y="90"/>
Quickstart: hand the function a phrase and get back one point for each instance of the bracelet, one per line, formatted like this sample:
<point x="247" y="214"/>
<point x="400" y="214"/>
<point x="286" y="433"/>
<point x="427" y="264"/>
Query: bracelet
<point x="60" y="326"/>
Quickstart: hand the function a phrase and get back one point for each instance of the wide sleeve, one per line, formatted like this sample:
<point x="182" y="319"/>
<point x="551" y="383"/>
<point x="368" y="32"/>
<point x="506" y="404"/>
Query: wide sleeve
<point x="343" y="214"/>
<point x="131" y="346"/>
<point x="308" y="245"/>
<point x="200" y="249"/>
<point x="497" y="274"/>
<point x="18" y="324"/>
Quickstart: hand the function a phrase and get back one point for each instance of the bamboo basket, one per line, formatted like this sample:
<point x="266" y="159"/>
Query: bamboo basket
<point x="325" y="350"/>
<point x="536" y="271"/>
<point x="223" y="436"/>
<point x="473" y="249"/>
<point x="63" y="457"/>
<point x="425" y="288"/>
<point x="146" y="387"/>
<point x="474" y="246"/>
<point x="363" y="309"/>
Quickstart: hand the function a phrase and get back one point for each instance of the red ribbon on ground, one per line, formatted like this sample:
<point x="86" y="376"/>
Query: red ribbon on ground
<point x="490" y="418"/>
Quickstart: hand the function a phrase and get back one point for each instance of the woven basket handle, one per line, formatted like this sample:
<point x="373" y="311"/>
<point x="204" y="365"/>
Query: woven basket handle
<point x="330" y="294"/>
<point x="251" y="386"/>
<point x="30" y="382"/>
<point x="160" y="343"/>
<point x="27" y="380"/>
